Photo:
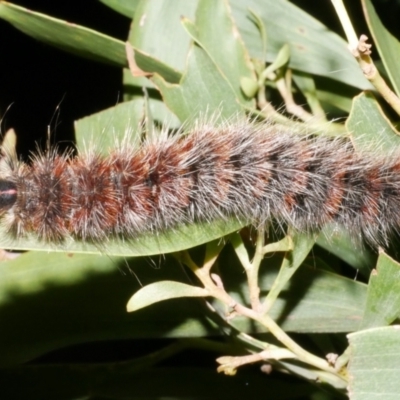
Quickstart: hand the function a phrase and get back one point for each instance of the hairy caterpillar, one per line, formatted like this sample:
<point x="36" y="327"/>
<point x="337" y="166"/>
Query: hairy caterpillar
<point x="255" y="172"/>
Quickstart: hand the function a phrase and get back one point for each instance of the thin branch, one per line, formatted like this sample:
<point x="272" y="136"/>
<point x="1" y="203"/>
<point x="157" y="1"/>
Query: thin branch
<point x="361" y="50"/>
<point x="349" y="31"/>
<point x="220" y="294"/>
<point x="252" y="270"/>
<point x="229" y="364"/>
<point x="284" y="86"/>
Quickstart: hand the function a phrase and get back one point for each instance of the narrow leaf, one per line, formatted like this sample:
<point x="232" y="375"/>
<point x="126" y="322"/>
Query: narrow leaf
<point x="163" y="290"/>
<point x="338" y="241"/>
<point x="302" y="245"/>
<point x="177" y="239"/>
<point x="64" y="35"/>
<point x="124" y="7"/>
<point x="388" y="46"/>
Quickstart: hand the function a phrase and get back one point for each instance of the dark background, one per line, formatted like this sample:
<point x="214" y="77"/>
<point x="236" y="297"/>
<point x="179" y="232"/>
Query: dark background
<point x="35" y="78"/>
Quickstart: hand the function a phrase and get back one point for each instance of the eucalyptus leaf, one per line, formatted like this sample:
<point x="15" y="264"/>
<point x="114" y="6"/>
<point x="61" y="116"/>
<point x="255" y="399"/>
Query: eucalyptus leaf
<point x="52" y="300"/>
<point x="339" y="101"/>
<point x="313" y="48"/>
<point x="124" y="7"/>
<point x="169" y="43"/>
<point x="108" y="127"/>
<point x="383" y="299"/>
<point x="374" y="365"/>
<point x="338" y="241"/>
<point x="160" y="291"/>
<point x="80" y="40"/>
<point x="177" y="239"/>
<point x="213" y="20"/>
<point x="156" y="44"/>
<point x="388" y="46"/>
<point x="202" y="90"/>
<point x="64" y="35"/>
<point x="370" y="129"/>
<point x="313" y="301"/>
<point x="292" y="260"/>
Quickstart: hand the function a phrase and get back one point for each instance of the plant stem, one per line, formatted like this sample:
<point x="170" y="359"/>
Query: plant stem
<point x="253" y="268"/>
<point x="344" y="18"/>
<point x="274" y="328"/>
<point x="361" y="51"/>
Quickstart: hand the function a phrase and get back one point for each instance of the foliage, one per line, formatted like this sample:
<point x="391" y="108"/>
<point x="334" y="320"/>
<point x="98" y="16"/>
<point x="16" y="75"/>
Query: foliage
<point x="50" y="299"/>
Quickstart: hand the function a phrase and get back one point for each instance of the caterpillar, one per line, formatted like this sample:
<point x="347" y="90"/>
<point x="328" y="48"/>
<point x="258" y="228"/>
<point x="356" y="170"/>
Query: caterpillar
<point x="255" y="172"/>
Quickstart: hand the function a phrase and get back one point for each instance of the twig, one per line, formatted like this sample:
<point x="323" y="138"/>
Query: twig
<point x="252" y="270"/>
<point x="349" y="31"/>
<point x="220" y="294"/>
<point x="361" y="50"/>
<point x="285" y="244"/>
<point x="229" y="364"/>
<point x="284" y="86"/>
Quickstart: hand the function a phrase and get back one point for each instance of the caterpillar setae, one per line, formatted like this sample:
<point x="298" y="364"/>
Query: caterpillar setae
<point x="255" y="172"/>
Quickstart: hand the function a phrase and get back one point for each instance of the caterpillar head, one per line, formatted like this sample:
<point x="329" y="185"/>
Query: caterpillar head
<point x="8" y="195"/>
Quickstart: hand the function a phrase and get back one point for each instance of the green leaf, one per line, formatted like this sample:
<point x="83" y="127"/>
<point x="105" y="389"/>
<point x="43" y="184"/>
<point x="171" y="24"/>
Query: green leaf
<point x="338" y="241"/>
<point x="213" y="30"/>
<point x="160" y="291"/>
<point x="334" y="93"/>
<point x="102" y="130"/>
<point x="292" y="260"/>
<point x="153" y="49"/>
<point x="383" y="297"/>
<point x="339" y="101"/>
<point x="313" y="48"/>
<point x="319" y="301"/>
<point x="263" y="40"/>
<point x="388" y="46"/>
<point x="177" y="239"/>
<point x="282" y="58"/>
<point x="369" y="127"/>
<point x="169" y="43"/>
<point x="64" y="35"/>
<point x="124" y="7"/>
<point x="306" y="84"/>
<point x="201" y="91"/>
<point x="108" y="127"/>
<point x="148" y="63"/>
<point x="240" y="249"/>
<point x="49" y="301"/>
<point x="80" y="40"/>
<point x="374" y="366"/>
